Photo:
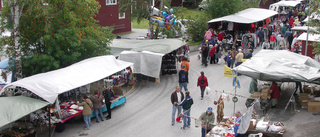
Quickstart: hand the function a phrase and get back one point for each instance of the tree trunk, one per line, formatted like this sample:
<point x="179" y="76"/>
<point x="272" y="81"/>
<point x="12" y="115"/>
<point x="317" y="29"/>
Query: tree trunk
<point x="16" y="7"/>
<point x="150" y="21"/>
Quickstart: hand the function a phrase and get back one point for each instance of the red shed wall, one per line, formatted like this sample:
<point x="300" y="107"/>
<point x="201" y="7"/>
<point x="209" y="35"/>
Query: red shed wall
<point x="109" y="16"/>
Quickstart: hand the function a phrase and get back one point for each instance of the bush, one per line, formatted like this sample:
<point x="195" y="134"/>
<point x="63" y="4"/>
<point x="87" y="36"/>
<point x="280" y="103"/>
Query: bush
<point x="198" y="28"/>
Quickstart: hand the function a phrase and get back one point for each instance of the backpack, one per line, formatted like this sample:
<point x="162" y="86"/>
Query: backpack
<point x="202" y="80"/>
<point x="183" y="77"/>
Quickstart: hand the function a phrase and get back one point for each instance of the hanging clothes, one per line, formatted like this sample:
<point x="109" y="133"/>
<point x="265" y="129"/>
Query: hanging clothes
<point x="230" y="26"/>
<point x="220" y="108"/>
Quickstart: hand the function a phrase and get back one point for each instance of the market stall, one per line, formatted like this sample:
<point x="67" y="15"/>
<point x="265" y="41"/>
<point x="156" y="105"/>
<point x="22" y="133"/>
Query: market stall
<point x="65" y="86"/>
<point x="150" y="56"/>
<point x="13" y="109"/>
<point x="247" y="124"/>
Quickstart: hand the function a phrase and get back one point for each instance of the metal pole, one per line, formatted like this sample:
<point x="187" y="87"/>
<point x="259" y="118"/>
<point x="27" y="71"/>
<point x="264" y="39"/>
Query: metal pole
<point x="234" y="103"/>
<point x="49" y="122"/>
<point x="307" y="30"/>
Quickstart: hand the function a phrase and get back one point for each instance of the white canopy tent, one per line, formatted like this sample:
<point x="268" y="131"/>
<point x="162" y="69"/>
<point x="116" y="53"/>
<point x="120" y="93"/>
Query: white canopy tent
<point x="145" y="62"/>
<point x="247" y="16"/>
<point x="275" y="6"/>
<point x="50" y="84"/>
<point x="145" y="54"/>
<point x="311" y="37"/>
<point x="281" y="66"/>
<point x="303" y="28"/>
<point x="14" y="108"/>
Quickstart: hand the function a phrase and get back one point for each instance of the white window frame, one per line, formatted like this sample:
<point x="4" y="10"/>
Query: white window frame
<point x="109" y="2"/>
<point x="123" y="15"/>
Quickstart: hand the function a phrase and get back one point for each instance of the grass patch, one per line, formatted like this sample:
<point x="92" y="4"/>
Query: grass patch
<point x="144" y="24"/>
<point x="192" y="43"/>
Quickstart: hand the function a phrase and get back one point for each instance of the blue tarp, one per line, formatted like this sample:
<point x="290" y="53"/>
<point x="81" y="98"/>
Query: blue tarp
<point x="4" y="63"/>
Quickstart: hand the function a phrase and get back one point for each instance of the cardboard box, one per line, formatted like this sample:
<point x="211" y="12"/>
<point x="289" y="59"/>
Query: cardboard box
<point x="117" y="90"/>
<point x="316" y="93"/>
<point x="303" y="102"/>
<point x="252" y="125"/>
<point x="313" y="106"/>
<point x="157" y="80"/>
<point x="255" y="95"/>
<point x="306" y="89"/>
<point x="266" y="90"/>
<point x="303" y="96"/>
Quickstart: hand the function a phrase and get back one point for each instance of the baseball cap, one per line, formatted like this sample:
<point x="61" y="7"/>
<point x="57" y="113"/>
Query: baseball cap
<point x="209" y="108"/>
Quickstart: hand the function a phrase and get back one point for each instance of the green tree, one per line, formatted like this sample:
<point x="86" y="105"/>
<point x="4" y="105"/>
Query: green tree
<point x="219" y="8"/>
<point x="314" y="22"/>
<point x="197" y="29"/>
<point x="58" y="33"/>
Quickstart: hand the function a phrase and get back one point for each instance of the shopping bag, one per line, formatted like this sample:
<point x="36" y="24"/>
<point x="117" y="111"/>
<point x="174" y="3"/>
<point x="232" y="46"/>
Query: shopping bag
<point x="208" y="90"/>
<point x="197" y="123"/>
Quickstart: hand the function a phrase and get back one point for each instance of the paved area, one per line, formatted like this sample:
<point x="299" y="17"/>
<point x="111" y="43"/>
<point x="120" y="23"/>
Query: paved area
<point x="148" y="108"/>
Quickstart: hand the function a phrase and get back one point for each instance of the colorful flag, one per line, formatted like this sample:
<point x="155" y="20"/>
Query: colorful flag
<point x="227" y="71"/>
<point x="236" y="82"/>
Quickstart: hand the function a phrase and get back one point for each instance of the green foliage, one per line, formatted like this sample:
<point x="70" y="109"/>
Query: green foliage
<point x="251" y="4"/>
<point x="314" y="23"/>
<point x="197" y="29"/>
<point x="170" y="33"/>
<point x="219" y="8"/>
<point x="59" y="34"/>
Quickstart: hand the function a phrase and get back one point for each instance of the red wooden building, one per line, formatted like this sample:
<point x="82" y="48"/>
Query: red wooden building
<point x="109" y="16"/>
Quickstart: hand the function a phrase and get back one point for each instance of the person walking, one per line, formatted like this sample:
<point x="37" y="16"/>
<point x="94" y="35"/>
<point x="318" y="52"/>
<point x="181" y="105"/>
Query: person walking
<point x="176" y="97"/>
<point x="186" y="104"/>
<point x="207" y="121"/>
<point x="275" y="94"/>
<point x="86" y="112"/>
<point x="205" y="51"/>
<point x="203" y="83"/>
<point x="212" y="55"/>
<point x="97" y="105"/>
<point x="185" y="63"/>
<point x="183" y="79"/>
<point x="229" y="58"/>
<point x="108" y="97"/>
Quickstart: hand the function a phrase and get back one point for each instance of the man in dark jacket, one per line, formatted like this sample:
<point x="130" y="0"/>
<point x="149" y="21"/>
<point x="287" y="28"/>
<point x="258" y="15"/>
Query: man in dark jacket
<point x="176" y="97"/>
<point x="205" y="52"/>
<point x="183" y="78"/>
<point x="186" y="106"/>
<point x="108" y="95"/>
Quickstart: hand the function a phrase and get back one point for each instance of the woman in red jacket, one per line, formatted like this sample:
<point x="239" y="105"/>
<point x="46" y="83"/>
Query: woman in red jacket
<point x="203" y="83"/>
<point x="275" y="94"/>
<point x="212" y="53"/>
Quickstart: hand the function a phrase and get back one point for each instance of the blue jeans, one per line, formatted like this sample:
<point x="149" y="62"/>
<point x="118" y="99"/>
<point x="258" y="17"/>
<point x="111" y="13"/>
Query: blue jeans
<point x="184" y="85"/>
<point x="174" y="108"/>
<point x="204" y="132"/>
<point x="186" y="119"/>
<point x="87" y="121"/>
<point x="238" y="63"/>
<point x="202" y="91"/>
<point x="98" y="112"/>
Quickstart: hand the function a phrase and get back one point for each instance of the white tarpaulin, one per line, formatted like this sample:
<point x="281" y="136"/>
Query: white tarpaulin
<point x="163" y="46"/>
<point x="145" y="62"/>
<point x="286" y="3"/>
<point x="50" y="84"/>
<point x="14" y="108"/>
<point x="247" y="16"/>
<point x="311" y="37"/>
<point x="281" y="66"/>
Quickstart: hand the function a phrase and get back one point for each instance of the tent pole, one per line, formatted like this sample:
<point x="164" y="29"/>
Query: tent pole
<point x="305" y="53"/>
<point x="234" y="103"/>
<point x="49" y="121"/>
